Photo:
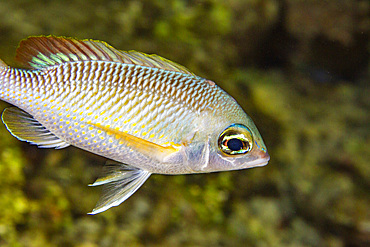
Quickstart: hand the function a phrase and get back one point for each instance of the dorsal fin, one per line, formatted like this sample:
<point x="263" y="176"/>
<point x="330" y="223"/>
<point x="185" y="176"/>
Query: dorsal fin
<point x="43" y="51"/>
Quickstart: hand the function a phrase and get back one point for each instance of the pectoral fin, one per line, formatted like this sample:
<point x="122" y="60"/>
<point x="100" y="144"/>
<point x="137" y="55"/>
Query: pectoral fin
<point x="149" y="149"/>
<point x="24" y="127"/>
<point x="119" y="182"/>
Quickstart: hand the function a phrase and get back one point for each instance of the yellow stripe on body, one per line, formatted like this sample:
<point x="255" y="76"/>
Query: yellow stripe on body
<point x="140" y="145"/>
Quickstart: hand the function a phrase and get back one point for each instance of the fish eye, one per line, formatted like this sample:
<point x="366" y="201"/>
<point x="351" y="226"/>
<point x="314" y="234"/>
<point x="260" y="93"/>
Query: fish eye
<point x="235" y="139"/>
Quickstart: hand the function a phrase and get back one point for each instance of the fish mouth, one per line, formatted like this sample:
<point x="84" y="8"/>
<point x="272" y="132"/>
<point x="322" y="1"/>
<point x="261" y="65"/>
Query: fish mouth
<point x="262" y="158"/>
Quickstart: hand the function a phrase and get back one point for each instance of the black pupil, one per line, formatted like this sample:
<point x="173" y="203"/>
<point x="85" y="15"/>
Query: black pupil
<point x="235" y="144"/>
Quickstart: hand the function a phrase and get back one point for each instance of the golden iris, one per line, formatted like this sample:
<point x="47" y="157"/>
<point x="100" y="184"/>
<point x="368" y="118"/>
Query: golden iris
<point x="235" y="139"/>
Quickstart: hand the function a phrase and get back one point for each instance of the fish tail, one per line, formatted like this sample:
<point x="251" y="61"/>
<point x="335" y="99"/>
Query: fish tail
<point x="3" y="64"/>
<point x="3" y="67"/>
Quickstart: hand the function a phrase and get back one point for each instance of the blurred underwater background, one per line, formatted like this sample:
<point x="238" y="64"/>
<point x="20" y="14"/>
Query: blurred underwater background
<point x="299" y="68"/>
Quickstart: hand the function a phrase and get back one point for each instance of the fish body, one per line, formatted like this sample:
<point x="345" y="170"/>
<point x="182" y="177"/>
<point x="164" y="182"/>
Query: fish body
<point x="148" y="114"/>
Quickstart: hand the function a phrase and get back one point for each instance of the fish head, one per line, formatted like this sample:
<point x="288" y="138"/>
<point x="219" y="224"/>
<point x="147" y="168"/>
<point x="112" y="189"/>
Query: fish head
<point x="234" y="143"/>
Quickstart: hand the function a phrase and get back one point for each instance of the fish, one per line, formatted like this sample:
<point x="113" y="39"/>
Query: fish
<point x="145" y="113"/>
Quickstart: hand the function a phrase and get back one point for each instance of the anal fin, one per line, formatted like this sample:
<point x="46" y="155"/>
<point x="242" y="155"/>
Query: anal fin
<point x="119" y="182"/>
<point x="24" y="127"/>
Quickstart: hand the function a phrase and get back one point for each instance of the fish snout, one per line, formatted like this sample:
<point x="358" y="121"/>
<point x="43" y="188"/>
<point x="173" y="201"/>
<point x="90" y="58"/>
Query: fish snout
<point x="258" y="158"/>
<point x="263" y="155"/>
